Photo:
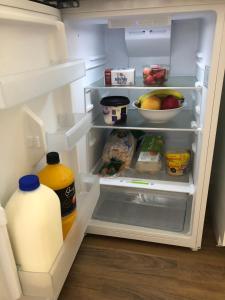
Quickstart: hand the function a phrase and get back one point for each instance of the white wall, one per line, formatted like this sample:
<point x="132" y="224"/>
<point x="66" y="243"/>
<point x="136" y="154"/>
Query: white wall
<point x="85" y="41"/>
<point x="184" y="44"/>
<point x="116" y="50"/>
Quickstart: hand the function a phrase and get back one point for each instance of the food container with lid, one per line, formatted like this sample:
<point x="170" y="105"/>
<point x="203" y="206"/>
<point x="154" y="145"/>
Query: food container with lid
<point x="114" y="109"/>
<point x="155" y="75"/>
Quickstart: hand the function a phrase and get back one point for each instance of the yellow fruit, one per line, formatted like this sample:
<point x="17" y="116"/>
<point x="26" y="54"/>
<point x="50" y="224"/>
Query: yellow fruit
<point x="167" y="92"/>
<point x="152" y="102"/>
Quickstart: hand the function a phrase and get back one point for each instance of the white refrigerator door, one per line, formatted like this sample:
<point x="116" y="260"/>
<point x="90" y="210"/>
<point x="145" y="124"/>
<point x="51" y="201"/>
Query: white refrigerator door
<point x="10" y="288"/>
<point x="34" y="66"/>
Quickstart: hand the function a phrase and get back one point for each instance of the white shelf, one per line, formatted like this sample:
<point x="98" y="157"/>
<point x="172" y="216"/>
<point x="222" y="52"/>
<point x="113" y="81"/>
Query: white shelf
<point x="174" y="82"/>
<point x="21" y="87"/>
<point x="48" y="285"/>
<point x="71" y="127"/>
<point x="161" y="181"/>
<point x="184" y="121"/>
<point x="150" y="184"/>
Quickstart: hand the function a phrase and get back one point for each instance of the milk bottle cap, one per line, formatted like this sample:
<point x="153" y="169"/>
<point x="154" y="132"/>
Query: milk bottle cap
<point x="29" y="183"/>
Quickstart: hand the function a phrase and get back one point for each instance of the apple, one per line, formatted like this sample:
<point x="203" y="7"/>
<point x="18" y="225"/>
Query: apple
<point x="170" y="102"/>
<point x="146" y="71"/>
<point x="159" y="75"/>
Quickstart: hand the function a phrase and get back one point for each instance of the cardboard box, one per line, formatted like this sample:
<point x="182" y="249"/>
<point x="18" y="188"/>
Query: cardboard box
<point x="119" y="76"/>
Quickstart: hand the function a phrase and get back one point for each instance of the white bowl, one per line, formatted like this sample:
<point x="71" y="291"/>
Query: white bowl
<point x="158" y="116"/>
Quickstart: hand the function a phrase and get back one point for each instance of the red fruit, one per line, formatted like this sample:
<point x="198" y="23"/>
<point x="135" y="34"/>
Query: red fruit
<point x="146" y="72"/>
<point x="160" y="75"/>
<point x="170" y="102"/>
<point x="149" y="80"/>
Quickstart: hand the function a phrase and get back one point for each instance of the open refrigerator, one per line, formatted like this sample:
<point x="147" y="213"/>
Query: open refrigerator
<point x="51" y="83"/>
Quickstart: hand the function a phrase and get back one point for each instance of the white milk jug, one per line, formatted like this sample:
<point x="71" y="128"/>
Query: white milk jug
<point x="34" y="225"/>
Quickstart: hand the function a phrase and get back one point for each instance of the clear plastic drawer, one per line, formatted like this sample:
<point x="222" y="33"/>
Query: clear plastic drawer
<point x="151" y="209"/>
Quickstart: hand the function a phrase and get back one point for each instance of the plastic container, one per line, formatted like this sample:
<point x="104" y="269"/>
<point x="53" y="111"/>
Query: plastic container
<point x="121" y="146"/>
<point x="177" y="162"/>
<point x="155" y="75"/>
<point x="150" y="156"/>
<point x="114" y="109"/>
<point x="142" y="208"/>
<point x="34" y="225"/>
<point x="61" y="179"/>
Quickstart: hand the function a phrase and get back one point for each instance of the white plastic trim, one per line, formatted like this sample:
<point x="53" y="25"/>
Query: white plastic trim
<point x="94" y="62"/>
<point x="3" y="220"/>
<point x="140" y="233"/>
<point x="37" y="82"/>
<point x="31" y="6"/>
<point x="66" y="139"/>
<point x="15" y="17"/>
<point x="169" y="186"/>
<point x="7" y="262"/>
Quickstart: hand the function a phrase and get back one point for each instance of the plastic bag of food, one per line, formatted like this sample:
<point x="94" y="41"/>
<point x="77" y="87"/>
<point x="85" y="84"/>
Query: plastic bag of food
<point x="119" y="147"/>
<point x="177" y="162"/>
<point x="111" y="168"/>
<point x="150" y="156"/>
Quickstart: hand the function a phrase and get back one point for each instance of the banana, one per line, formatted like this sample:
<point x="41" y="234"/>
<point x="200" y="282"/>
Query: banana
<point x="164" y="93"/>
<point x="161" y="94"/>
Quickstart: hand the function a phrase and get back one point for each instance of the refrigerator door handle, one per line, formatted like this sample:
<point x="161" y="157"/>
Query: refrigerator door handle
<point x="8" y="268"/>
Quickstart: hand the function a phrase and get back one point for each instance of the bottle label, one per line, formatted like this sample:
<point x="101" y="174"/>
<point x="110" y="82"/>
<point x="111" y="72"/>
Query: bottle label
<point x="67" y="197"/>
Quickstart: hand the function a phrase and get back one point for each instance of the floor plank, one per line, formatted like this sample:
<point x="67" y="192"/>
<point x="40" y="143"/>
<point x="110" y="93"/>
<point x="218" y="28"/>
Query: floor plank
<point x="113" y="269"/>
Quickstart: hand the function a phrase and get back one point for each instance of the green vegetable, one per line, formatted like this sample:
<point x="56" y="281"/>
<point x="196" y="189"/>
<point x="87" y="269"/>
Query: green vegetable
<point x="152" y="143"/>
<point x="111" y="168"/>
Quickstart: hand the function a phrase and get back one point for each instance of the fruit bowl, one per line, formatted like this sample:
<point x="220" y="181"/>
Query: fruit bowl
<point x="158" y="116"/>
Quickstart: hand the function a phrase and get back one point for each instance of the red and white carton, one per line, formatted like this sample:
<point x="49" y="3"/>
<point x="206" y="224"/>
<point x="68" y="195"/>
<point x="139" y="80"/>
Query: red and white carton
<point x="119" y="76"/>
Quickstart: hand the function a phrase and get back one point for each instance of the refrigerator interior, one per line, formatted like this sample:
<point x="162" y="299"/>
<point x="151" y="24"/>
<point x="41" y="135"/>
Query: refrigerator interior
<point x="189" y="57"/>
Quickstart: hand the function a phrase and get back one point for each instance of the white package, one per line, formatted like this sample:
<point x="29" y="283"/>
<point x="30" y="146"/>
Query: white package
<point x="122" y="77"/>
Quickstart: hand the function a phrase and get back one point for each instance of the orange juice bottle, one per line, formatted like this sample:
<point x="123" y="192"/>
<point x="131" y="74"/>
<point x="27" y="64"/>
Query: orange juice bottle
<point x="61" y="179"/>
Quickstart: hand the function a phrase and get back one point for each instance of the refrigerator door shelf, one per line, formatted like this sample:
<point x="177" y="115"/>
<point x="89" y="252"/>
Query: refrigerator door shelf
<point x="71" y="127"/>
<point x="48" y="285"/>
<point x="21" y="87"/>
<point x="173" y="82"/>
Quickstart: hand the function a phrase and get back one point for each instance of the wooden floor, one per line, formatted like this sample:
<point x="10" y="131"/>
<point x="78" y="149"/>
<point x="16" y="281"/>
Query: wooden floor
<point x="118" y="269"/>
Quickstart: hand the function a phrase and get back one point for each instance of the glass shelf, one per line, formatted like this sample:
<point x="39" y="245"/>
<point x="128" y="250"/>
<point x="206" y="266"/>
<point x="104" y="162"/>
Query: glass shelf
<point x="175" y="82"/>
<point x="131" y="178"/>
<point x="184" y="121"/>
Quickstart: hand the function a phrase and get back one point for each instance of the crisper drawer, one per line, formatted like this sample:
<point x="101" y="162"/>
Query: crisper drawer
<point x="151" y="209"/>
